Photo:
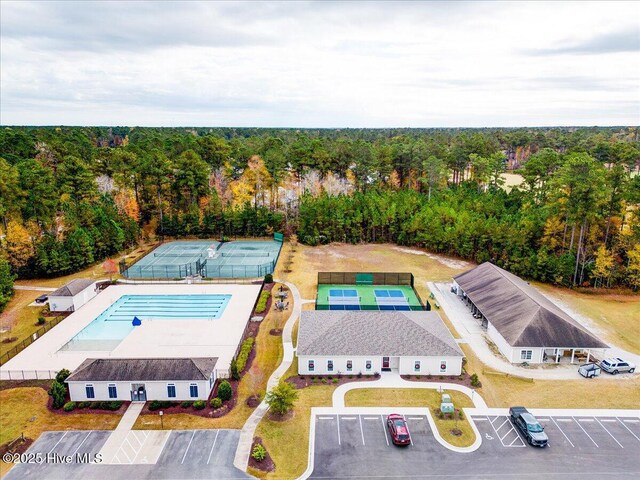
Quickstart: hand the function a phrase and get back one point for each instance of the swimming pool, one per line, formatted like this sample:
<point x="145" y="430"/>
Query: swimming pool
<point x="116" y="322"/>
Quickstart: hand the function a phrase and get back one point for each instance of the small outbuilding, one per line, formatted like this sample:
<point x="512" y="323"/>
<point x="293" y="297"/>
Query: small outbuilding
<point x="368" y="342"/>
<point x="523" y="323"/>
<point x="143" y="379"/>
<point x="73" y="295"/>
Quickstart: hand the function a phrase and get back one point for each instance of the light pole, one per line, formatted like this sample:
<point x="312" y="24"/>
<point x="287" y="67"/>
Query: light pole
<point x="161" y="423"/>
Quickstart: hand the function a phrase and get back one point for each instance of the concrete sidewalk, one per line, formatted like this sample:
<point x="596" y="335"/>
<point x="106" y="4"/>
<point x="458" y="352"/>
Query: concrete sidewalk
<point x="241" y="460"/>
<point x="35" y="289"/>
<point x="393" y="380"/>
<point x="112" y="445"/>
<point x="475" y="336"/>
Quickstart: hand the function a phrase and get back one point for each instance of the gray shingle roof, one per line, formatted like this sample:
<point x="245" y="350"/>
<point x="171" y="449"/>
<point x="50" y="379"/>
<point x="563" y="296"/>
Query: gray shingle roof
<point x="72" y="288"/>
<point x="375" y="333"/>
<point x="143" y="369"/>
<point x="520" y="313"/>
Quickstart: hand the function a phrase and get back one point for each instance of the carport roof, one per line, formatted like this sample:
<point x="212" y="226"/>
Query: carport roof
<point x="143" y="369"/>
<point x="72" y="288"/>
<point x="394" y="333"/>
<point x="520" y="313"/>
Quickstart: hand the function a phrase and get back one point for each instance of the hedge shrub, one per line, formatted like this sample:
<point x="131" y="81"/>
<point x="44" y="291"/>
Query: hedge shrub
<point x="69" y="406"/>
<point x="62" y="375"/>
<point x="234" y="370"/>
<point x="58" y="393"/>
<point x="262" y="301"/>
<point x="158" y="404"/>
<point x="259" y="453"/>
<point x="84" y="404"/>
<point x="216" y="403"/>
<point x="225" y="392"/>
<point x="268" y="278"/>
<point x="245" y="351"/>
<point x="199" y="404"/>
<point x="186" y="404"/>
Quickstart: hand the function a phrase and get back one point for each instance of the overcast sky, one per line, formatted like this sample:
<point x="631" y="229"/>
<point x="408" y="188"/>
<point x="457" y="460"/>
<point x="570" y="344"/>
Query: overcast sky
<point x="299" y="64"/>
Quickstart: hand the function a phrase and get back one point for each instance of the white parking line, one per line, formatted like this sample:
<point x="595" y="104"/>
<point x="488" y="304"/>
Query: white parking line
<point x="384" y="430"/>
<point x="415" y="418"/>
<point x="405" y="422"/>
<point x="504" y="436"/>
<point x="630" y="420"/>
<point x="125" y="454"/>
<point x="543" y="419"/>
<point x="605" y="429"/>
<point x="564" y="420"/>
<point x="361" y="430"/>
<point x="585" y="432"/>
<point x="349" y="418"/>
<point x="76" y="450"/>
<point x="479" y="419"/>
<point x="188" y="446"/>
<point x="585" y="419"/>
<point x="212" y="447"/>
<point x="561" y="431"/>
<point x="371" y="418"/>
<point x="622" y="422"/>
<point x="326" y="418"/>
<point x="65" y="433"/>
<point x="338" y="424"/>
<point x="503" y="424"/>
<point x="607" y="420"/>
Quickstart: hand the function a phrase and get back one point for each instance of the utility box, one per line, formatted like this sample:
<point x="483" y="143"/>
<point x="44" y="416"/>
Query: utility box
<point x="446" y="405"/>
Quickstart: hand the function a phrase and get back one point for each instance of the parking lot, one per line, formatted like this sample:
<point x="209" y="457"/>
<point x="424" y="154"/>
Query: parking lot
<point x="183" y="454"/>
<point x="359" y="446"/>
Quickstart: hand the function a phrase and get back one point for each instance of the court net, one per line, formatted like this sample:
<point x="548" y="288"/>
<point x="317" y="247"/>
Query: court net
<point x="245" y="254"/>
<point x="178" y="255"/>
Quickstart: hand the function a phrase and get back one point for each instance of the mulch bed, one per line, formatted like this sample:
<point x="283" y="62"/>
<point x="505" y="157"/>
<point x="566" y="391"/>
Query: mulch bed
<point x="276" y="332"/>
<point x="303" y="381"/>
<point x="10" y="340"/>
<point x="7" y="384"/>
<point x="465" y="380"/>
<point x="276" y="417"/>
<point x="253" y="401"/>
<point x="456" y="432"/>
<point x="19" y="448"/>
<point x="265" y="465"/>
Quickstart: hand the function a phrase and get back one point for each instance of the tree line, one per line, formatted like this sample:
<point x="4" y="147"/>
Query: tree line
<point x="70" y="196"/>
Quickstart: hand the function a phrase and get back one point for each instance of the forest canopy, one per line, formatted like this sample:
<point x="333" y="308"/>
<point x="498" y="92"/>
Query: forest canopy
<point x="70" y="196"/>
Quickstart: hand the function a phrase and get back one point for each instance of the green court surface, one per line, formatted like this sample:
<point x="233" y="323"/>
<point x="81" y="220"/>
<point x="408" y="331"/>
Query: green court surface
<point x="367" y="297"/>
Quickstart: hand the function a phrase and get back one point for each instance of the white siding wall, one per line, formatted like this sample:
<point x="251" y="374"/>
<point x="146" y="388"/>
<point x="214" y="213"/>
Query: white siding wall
<point x="77" y="301"/>
<point x="60" y="304"/>
<point x="513" y="354"/>
<point x="428" y="365"/>
<point x="155" y="390"/>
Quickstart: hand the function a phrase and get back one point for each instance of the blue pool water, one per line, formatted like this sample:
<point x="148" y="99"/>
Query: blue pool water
<point x="115" y="323"/>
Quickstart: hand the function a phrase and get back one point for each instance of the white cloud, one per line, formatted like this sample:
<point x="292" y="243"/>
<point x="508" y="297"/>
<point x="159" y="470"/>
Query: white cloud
<point x="320" y="64"/>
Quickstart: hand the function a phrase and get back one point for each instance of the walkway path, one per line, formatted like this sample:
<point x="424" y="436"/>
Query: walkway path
<point x="393" y="380"/>
<point x="36" y="289"/>
<point x="247" y="433"/>
<point x="473" y="335"/>
<point x="112" y="445"/>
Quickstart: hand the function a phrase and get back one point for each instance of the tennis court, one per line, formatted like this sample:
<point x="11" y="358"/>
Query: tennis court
<point x="209" y="259"/>
<point x="367" y="297"/>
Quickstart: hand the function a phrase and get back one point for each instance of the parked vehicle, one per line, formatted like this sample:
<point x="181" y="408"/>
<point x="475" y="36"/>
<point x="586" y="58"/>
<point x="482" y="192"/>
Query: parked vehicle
<point x="398" y="429"/>
<point x="616" y="366"/>
<point x="589" y="370"/>
<point x="530" y="428"/>
<point x="42" y="299"/>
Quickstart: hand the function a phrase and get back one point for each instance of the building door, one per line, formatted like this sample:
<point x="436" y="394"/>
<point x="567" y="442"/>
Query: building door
<point x="385" y="363"/>
<point x="138" y="392"/>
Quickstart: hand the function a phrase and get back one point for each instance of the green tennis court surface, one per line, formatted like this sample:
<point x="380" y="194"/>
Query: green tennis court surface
<point x="367" y="297"/>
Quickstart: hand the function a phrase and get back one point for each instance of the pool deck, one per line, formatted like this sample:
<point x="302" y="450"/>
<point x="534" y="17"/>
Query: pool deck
<point x="153" y="339"/>
<point x="366" y="293"/>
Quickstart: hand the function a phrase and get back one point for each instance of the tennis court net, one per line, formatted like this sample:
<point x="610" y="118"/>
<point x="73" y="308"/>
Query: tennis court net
<point x="178" y="255"/>
<point x="245" y="254"/>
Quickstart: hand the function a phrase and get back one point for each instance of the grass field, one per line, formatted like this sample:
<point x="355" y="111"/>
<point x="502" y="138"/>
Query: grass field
<point x="616" y="316"/>
<point x="414" y="397"/>
<point x="24" y="410"/>
<point x="19" y="319"/>
<point x="268" y="357"/>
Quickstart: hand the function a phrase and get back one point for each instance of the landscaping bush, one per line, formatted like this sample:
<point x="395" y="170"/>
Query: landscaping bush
<point x="234" y="370"/>
<point x="259" y="453"/>
<point x="69" y="406"/>
<point x="324" y="381"/>
<point x="112" y="405"/>
<point x="58" y="393"/>
<point x="261" y="306"/>
<point x="475" y="381"/>
<point x="243" y="356"/>
<point x="84" y="404"/>
<point x="186" y="404"/>
<point x="158" y="404"/>
<point x="225" y="392"/>
<point x="268" y="278"/>
<point x="335" y="380"/>
<point x="199" y="404"/>
<point x="41" y="320"/>
<point x="281" y="398"/>
<point x="216" y="403"/>
<point x="62" y="375"/>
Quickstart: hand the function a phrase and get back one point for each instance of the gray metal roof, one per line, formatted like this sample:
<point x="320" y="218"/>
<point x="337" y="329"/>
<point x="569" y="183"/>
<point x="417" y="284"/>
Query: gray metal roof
<point x="520" y="313"/>
<point x="394" y="333"/>
<point x="143" y="369"/>
<point x="72" y="288"/>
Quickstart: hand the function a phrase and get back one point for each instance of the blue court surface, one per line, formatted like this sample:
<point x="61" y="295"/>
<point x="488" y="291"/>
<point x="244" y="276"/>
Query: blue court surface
<point x="342" y="293"/>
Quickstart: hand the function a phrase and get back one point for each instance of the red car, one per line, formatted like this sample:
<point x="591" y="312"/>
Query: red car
<point x="398" y="429"/>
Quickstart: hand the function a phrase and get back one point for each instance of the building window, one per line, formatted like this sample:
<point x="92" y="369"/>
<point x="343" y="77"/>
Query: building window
<point x="90" y="392"/>
<point x="113" y="391"/>
<point x="349" y="366"/>
<point x="330" y="365"/>
<point x="171" y="390"/>
<point x="193" y="390"/>
<point x="443" y="366"/>
<point x="312" y="365"/>
<point x="211" y="380"/>
<point x="367" y="365"/>
<point x="416" y="366"/>
<point x="525" y="354"/>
